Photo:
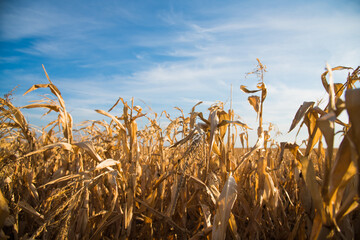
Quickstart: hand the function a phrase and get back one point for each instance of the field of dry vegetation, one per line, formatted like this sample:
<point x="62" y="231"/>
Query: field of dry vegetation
<point x="111" y="180"/>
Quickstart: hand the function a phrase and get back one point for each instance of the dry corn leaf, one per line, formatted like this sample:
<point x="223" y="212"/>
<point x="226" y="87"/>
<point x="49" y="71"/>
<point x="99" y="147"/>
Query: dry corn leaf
<point x="255" y="102"/>
<point x="90" y="149"/>
<point x="52" y="107"/>
<point x="17" y="116"/>
<point x="103" y="223"/>
<point x="115" y="104"/>
<point x="118" y="123"/>
<point x="207" y="214"/>
<point x="64" y="178"/>
<point x="213" y="194"/>
<point x="225" y="203"/>
<point x="226" y="122"/>
<point x="309" y="175"/>
<point x="214" y="121"/>
<point x="338" y="87"/>
<point x="233" y="227"/>
<point x="193" y="115"/>
<point x="317" y="226"/>
<point x="106" y="163"/>
<point x="224" y="117"/>
<point x="29" y="209"/>
<point x="303" y="109"/>
<point x="36" y="86"/>
<point x="313" y="129"/>
<point x="65" y="146"/>
<point x="326" y="124"/>
<point x="348" y="205"/>
<point x="352" y="100"/>
<point x="262" y="87"/>
<point x="184" y="140"/>
<point x="259" y="143"/>
<point x="245" y="90"/>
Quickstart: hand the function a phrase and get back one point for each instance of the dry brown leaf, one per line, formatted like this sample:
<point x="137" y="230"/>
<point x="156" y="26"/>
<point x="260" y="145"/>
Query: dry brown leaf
<point x="90" y="149"/>
<point x="106" y="163"/>
<point x="119" y="124"/>
<point x="226" y="122"/>
<point x="245" y="90"/>
<point x="255" y="102"/>
<point x="317" y="226"/>
<point x="352" y="100"/>
<point x="313" y="129"/>
<point x="28" y="208"/>
<point x="214" y="121"/>
<point x="193" y="115"/>
<point x="309" y="175"/>
<point x="303" y="109"/>
<point x="207" y="214"/>
<point x="52" y="107"/>
<point x="62" y="179"/>
<point x="65" y="146"/>
<point x="225" y="203"/>
<point x="338" y="87"/>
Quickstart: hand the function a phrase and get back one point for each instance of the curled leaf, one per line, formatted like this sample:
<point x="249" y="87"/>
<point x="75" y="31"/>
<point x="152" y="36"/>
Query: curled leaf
<point x="245" y="90"/>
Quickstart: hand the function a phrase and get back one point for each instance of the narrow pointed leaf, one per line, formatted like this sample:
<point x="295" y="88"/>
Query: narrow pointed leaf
<point x="225" y="204"/>
<point x="300" y="114"/>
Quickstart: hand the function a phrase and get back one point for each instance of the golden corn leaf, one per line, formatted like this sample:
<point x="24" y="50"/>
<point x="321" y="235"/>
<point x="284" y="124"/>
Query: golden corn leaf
<point x="52" y="107"/>
<point x="193" y="115"/>
<point x="303" y="109"/>
<point x="245" y="90"/>
<point x="326" y="124"/>
<point x="106" y="163"/>
<point x="338" y="87"/>
<point x="352" y="100"/>
<point x="309" y="175"/>
<point x="226" y="122"/>
<point x="36" y="86"/>
<point x="65" y="146"/>
<point x="62" y="179"/>
<point x="90" y="149"/>
<point x="313" y="129"/>
<point x="223" y="116"/>
<point x="225" y="203"/>
<point x="262" y="87"/>
<point x="118" y="123"/>
<point x="255" y="102"/>
<point x="317" y="226"/>
<point x="214" y="121"/>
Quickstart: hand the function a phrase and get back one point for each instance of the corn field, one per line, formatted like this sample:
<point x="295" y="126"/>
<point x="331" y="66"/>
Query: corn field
<point x="110" y="179"/>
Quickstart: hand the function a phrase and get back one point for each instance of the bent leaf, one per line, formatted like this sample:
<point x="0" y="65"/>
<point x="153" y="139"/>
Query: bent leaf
<point x="245" y="90"/>
<point x="225" y="203"/>
<point x="106" y="163"/>
<point x="300" y="114"/>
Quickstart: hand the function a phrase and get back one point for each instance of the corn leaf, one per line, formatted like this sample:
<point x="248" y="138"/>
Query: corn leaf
<point x="225" y="203"/>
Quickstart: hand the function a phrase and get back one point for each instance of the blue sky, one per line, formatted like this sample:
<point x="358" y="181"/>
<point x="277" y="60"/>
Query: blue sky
<point x="175" y="53"/>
